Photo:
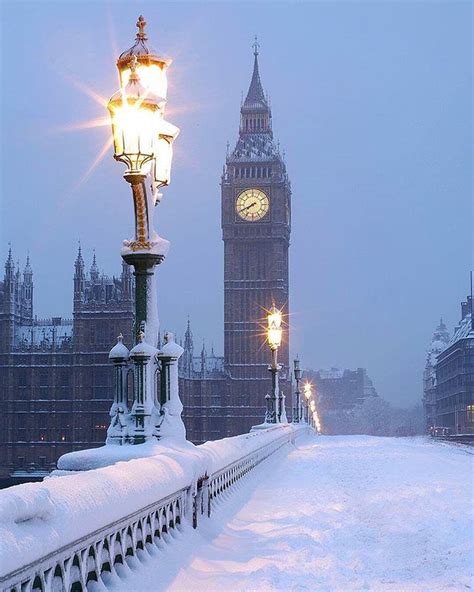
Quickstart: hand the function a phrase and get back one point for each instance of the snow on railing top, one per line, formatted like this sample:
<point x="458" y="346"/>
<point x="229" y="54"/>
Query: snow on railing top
<point x="39" y="518"/>
<point x="228" y="450"/>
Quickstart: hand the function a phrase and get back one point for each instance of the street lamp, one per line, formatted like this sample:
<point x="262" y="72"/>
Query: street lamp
<point x="317" y="425"/>
<point x="307" y="393"/>
<point x="312" y="406"/>
<point x="274" y="335"/>
<point x="297" y="371"/>
<point x="136" y="115"/>
<point x="143" y="142"/>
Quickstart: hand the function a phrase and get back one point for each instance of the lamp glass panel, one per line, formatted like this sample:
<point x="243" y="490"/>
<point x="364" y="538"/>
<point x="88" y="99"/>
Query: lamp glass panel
<point x="274" y="337"/>
<point x="162" y="163"/>
<point x="134" y="132"/>
<point x="152" y="77"/>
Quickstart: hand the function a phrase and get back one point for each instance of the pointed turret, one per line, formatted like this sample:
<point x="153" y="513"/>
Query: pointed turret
<point x="27" y="294"/>
<point x="79" y="278"/>
<point x="203" y="359"/>
<point x="94" y="271"/>
<point x="27" y="272"/>
<point x="9" y="266"/>
<point x="126" y="281"/>
<point x="79" y="264"/>
<point x="188" y="354"/>
<point x="188" y="337"/>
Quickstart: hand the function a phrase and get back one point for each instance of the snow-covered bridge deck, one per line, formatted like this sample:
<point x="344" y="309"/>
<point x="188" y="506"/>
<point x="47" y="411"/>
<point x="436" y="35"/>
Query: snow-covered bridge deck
<point x="350" y="513"/>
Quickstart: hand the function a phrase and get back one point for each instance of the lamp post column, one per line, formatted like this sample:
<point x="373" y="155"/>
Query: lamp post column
<point x="297" y="370"/>
<point x="274" y="368"/>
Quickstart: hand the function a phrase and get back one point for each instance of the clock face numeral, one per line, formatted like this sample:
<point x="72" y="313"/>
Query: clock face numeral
<point x="252" y="204"/>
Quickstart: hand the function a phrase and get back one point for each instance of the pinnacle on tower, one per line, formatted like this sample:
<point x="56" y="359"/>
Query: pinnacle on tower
<point x="94" y="271"/>
<point x="79" y="263"/>
<point x="188" y="338"/>
<point x="27" y="272"/>
<point x="9" y="265"/>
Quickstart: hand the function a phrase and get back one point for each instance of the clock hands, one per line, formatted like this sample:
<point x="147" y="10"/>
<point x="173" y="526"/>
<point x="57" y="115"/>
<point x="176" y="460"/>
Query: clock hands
<point x="248" y="207"/>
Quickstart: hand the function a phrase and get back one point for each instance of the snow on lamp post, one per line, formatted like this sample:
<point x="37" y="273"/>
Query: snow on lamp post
<point x="274" y="335"/>
<point x="143" y="141"/>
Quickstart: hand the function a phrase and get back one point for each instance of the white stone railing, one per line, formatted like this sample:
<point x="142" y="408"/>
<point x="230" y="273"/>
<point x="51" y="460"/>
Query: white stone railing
<point x="70" y="565"/>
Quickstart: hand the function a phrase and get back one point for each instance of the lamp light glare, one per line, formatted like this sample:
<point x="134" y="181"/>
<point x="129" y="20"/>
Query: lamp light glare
<point x="274" y="330"/>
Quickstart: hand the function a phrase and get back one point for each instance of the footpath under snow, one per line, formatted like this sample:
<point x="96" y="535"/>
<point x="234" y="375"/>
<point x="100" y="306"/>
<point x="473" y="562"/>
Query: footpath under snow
<point x="341" y="513"/>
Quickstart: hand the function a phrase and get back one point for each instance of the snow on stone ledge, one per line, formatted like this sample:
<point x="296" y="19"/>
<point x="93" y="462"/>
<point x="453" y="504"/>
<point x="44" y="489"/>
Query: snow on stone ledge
<point x="39" y="518"/>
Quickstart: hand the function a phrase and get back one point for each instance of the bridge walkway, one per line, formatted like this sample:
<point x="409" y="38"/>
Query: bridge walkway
<point x="350" y="513"/>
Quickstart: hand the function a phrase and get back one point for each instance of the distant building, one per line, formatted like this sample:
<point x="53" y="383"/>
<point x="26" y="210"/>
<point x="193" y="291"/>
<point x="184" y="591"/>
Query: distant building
<point x="439" y="342"/>
<point x="454" y="380"/>
<point x="341" y="390"/>
<point x="56" y="382"/>
<point x="202" y="386"/>
<point x="339" y="393"/>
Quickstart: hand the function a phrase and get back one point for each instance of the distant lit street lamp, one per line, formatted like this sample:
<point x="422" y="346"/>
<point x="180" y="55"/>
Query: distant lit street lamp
<point x="274" y="335"/>
<point x="312" y="407"/>
<point x="307" y="389"/>
<point x="296" y="409"/>
<point x="143" y="141"/>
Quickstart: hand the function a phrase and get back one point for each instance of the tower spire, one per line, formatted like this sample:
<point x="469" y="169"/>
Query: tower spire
<point x="255" y="95"/>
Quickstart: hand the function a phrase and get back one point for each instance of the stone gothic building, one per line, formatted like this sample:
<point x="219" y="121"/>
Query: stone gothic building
<point x="55" y="377"/>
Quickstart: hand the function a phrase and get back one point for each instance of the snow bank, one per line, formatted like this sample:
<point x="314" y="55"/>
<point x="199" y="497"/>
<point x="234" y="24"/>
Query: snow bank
<point x="39" y="518"/>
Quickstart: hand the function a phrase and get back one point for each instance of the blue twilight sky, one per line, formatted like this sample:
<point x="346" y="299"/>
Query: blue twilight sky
<point x="372" y="103"/>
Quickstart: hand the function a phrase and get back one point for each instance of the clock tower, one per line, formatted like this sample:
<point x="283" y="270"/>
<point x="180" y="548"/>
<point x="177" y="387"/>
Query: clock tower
<point x="256" y="206"/>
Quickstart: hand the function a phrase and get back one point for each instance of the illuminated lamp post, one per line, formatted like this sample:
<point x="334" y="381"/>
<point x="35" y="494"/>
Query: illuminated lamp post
<point x="312" y="406"/>
<point x="143" y="141"/>
<point x="136" y="116"/>
<point x="307" y="393"/>
<point x="274" y="335"/>
<point x="296" y="410"/>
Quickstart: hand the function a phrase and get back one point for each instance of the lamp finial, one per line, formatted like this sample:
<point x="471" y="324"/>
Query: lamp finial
<point x="141" y="24"/>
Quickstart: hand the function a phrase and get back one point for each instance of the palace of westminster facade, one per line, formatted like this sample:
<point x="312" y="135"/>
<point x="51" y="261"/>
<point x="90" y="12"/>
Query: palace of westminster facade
<point x="56" y="382"/>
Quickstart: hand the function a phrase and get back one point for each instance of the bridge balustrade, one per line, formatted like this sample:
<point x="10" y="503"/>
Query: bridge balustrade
<point x="73" y="566"/>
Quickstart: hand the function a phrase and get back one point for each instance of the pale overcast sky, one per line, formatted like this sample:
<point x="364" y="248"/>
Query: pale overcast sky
<point x="372" y="103"/>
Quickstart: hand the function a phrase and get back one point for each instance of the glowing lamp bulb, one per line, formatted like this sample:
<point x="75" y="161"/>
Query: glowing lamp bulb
<point x="136" y="115"/>
<point x="274" y="330"/>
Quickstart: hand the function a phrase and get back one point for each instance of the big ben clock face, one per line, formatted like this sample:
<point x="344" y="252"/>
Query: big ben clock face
<point x="252" y="204"/>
